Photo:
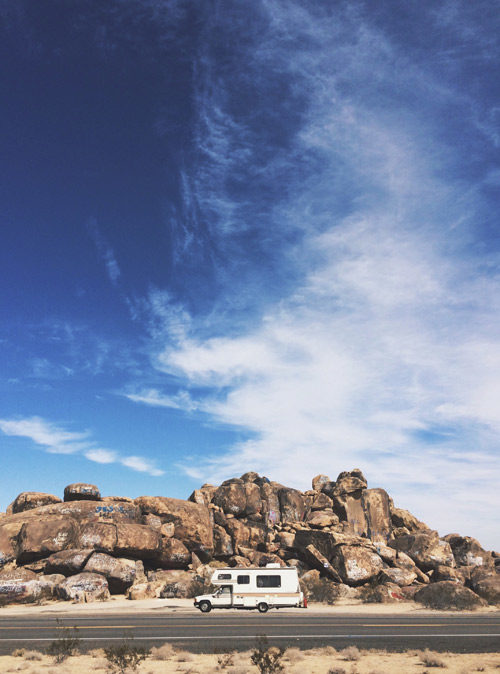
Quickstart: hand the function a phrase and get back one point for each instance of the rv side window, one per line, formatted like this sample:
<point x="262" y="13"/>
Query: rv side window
<point x="224" y="576"/>
<point x="243" y="580"/>
<point x="268" y="581"/>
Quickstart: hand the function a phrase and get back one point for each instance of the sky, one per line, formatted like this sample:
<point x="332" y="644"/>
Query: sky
<point x="252" y="236"/>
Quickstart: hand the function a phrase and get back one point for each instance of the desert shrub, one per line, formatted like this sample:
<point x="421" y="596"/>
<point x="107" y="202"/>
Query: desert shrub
<point x="66" y="644"/>
<point x="267" y="659"/>
<point x="336" y="670"/>
<point x="165" y="652"/>
<point x="321" y="589"/>
<point x="328" y="650"/>
<point x="225" y="660"/>
<point x="294" y="654"/>
<point x="18" y="652"/>
<point x="184" y="656"/>
<point x="32" y="655"/>
<point x="125" y="656"/>
<point x="351" y="653"/>
<point x="430" y="659"/>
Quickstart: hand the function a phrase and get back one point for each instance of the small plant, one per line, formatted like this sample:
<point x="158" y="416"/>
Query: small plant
<point x="267" y="659"/>
<point x="430" y="659"/>
<point x="337" y="670"/>
<point x="351" y="653"/>
<point x="165" y="652"/>
<point x="66" y="644"/>
<point x="32" y="655"/>
<point x="125" y="656"/>
<point x="294" y="654"/>
<point x="225" y="660"/>
<point x="322" y="590"/>
<point x="18" y="652"/>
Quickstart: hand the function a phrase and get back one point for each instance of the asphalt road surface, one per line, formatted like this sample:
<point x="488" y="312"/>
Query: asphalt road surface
<point x="237" y="630"/>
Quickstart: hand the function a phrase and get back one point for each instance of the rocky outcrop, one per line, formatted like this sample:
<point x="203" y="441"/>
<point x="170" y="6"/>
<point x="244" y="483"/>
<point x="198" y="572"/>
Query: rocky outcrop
<point x="28" y="500"/>
<point x="448" y="595"/>
<point x="79" y="491"/>
<point x="341" y="531"/>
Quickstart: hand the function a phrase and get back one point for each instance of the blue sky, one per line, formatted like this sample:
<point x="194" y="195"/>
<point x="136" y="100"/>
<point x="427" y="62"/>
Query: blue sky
<point x="252" y="236"/>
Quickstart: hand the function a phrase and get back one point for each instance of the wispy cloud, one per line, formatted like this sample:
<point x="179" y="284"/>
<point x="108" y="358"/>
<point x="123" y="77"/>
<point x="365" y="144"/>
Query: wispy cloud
<point x="105" y="251"/>
<point x="382" y="348"/>
<point x="56" y="440"/>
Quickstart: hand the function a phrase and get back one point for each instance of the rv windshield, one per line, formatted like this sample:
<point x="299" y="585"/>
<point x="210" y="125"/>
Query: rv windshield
<point x="225" y="589"/>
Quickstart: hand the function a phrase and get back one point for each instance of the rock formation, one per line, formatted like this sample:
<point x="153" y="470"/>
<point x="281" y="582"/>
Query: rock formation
<point x="88" y="547"/>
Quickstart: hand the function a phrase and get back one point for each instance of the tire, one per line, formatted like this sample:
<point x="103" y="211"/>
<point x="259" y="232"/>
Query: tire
<point x="263" y="607"/>
<point x="205" y="607"/>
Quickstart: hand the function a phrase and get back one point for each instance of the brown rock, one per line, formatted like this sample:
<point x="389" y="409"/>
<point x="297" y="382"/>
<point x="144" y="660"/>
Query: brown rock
<point x="250" y="535"/>
<point x="240" y="499"/>
<point x="321" y="501"/>
<point x="399" y="577"/>
<point x="97" y="536"/>
<point x="319" y="482"/>
<point x="375" y="504"/>
<point x="18" y="574"/>
<point x="238" y="560"/>
<point x="286" y="540"/>
<point x="109" y="511"/>
<point x="321" y="519"/>
<point x="67" y="562"/>
<point x="79" y="491"/>
<point x="270" y="504"/>
<point x="260" y="558"/>
<point x="28" y="500"/>
<point x="356" y="564"/>
<point x="447" y="595"/>
<point x="403" y="518"/>
<point x="349" y="482"/>
<point x="446" y="573"/>
<point x="468" y="552"/>
<point x="150" y="590"/>
<point x="84" y="587"/>
<point x="152" y="521"/>
<point x="192" y="521"/>
<point x="137" y="541"/>
<point x="251" y="476"/>
<point x="25" y="591"/>
<point x="8" y="536"/>
<point x="41" y="538"/>
<point x="223" y="545"/>
<point x="173" y="554"/>
<point x="426" y="550"/>
<point x="486" y="583"/>
<point x="318" y="561"/>
<point x="292" y="505"/>
<point x="120" y="573"/>
<point x="178" y="585"/>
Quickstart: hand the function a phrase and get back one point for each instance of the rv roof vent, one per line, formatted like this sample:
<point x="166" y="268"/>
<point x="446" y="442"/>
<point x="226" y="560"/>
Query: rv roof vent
<point x="273" y="566"/>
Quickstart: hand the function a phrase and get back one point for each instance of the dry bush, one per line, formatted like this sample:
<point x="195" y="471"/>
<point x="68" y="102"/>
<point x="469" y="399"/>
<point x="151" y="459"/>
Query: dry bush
<point x="431" y="659"/>
<point x="239" y="669"/>
<point x="33" y="655"/>
<point x="184" y="656"/>
<point x="96" y="653"/>
<point x="337" y="670"/>
<point x="225" y="660"/>
<point x="328" y="651"/>
<point x="351" y="653"/>
<point x="321" y="589"/>
<point x="165" y="652"/>
<point x="294" y="654"/>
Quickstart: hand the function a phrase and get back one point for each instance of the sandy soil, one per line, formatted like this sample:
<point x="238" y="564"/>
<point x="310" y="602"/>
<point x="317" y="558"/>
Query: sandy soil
<point x="319" y="661"/>
<point x="118" y="604"/>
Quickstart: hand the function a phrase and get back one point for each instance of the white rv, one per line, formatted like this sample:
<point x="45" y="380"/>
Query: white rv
<point x="268" y="587"/>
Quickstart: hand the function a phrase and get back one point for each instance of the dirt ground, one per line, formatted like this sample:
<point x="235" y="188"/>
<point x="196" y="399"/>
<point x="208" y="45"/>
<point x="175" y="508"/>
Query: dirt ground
<point x="166" y="659"/>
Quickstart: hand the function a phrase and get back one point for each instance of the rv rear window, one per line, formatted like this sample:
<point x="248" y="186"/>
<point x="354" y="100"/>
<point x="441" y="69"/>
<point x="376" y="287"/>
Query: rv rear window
<point x="224" y="576"/>
<point x="243" y="580"/>
<point x="269" y="581"/>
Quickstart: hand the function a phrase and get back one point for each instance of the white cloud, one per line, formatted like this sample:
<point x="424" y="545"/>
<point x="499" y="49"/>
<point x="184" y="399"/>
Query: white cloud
<point x="385" y="352"/>
<point x="56" y="440"/>
<point x="142" y="465"/>
<point x="154" y="398"/>
<point x="105" y="251"/>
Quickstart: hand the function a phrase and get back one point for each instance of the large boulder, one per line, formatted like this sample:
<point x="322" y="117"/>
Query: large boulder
<point x="468" y="552"/>
<point x="486" y="583"/>
<point x="84" y="587"/>
<point x="67" y="562"/>
<point x="426" y="549"/>
<point x="20" y="591"/>
<point x="316" y="560"/>
<point x="173" y="554"/>
<point x="270" y="504"/>
<point x="356" y="564"/>
<point x="120" y="573"/>
<point x="292" y="505"/>
<point x="349" y="482"/>
<point x="320" y="501"/>
<point x="321" y="519"/>
<point x="79" y="491"/>
<point x="92" y="511"/>
<point x="404" y="519"/>
<point x="319" y="482"/>
<point x="137" y="541"/>
<point x="376" y="506"/>
<point x="446" y="595"/>
<point x="8" y="540"/>
<point x="238" y="498"/>
<point x="248" y="535"/>
<point x="223" y="544"/>
<point x="192" y="521"/>
<point x="99" y="536"/>
<point x="401" y="577"/>
<point x="28" y="500"/>
<point x="41" y="538"/>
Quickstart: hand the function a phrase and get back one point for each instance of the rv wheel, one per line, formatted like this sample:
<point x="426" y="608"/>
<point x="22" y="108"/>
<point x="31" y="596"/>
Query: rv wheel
<point x="263" y="607"/>
<point x="205" y="607"/>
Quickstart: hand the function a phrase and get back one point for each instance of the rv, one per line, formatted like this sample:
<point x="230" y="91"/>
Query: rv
<point x="268" y="587"/>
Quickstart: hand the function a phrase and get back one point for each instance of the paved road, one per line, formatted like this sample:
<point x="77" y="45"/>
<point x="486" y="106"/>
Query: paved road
<point x="238" y="630"/>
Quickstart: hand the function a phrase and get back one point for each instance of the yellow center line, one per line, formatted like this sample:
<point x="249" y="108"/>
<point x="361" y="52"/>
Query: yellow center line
<point x="260" y="625"/>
